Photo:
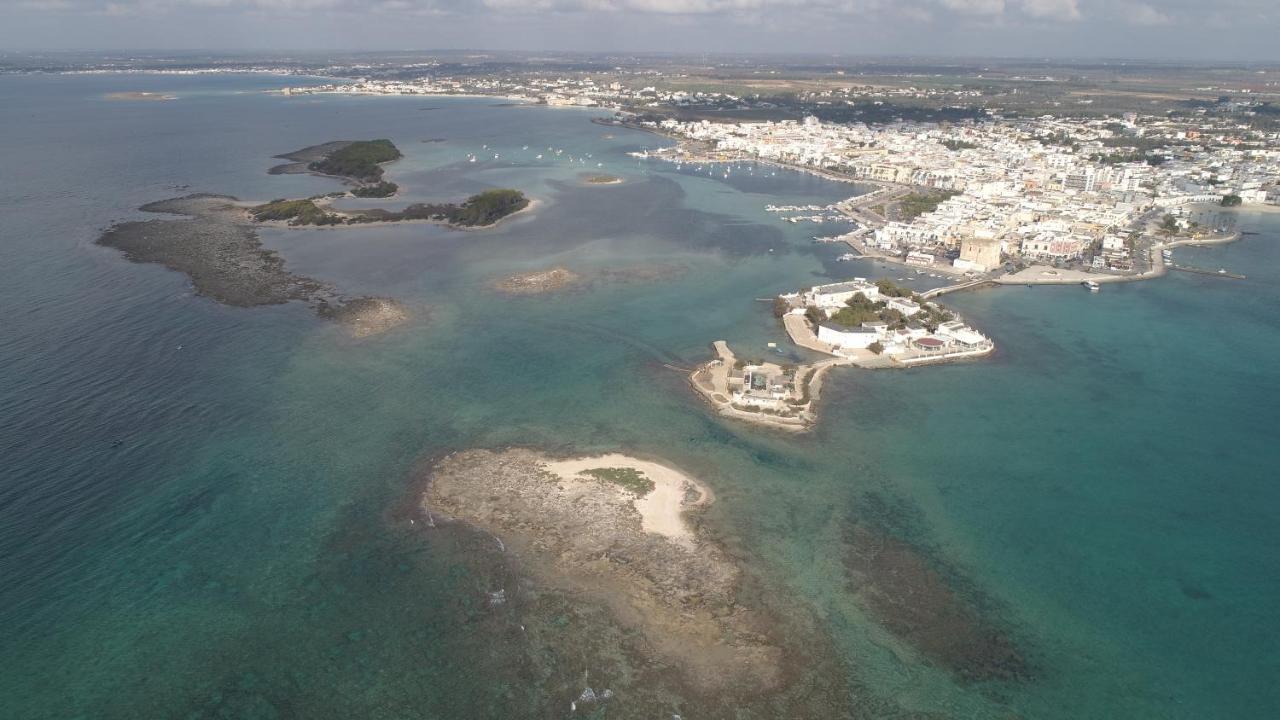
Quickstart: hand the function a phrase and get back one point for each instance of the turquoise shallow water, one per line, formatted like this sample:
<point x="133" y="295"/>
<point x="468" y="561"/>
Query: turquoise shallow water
<point x="196" y="512"/>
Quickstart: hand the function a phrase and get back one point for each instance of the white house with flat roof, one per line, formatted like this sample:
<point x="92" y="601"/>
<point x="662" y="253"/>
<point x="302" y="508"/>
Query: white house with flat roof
<point x="858" y="338"/>
<point x="906" y="306"/>
<point x="836" y="295"/>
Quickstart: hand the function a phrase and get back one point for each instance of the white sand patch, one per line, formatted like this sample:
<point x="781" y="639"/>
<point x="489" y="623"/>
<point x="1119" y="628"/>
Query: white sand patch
<point x="661" y="511"/>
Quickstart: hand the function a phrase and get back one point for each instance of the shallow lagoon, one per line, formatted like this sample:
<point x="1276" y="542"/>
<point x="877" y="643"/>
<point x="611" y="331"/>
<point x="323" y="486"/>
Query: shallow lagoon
<point x="197" y="517"/>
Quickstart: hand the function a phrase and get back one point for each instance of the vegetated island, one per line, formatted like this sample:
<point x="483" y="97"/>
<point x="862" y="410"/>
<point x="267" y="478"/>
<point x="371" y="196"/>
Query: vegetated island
<point x="358" y="162"/>
<point x="217" y="247"/>
<point x="609" y="540"/>
<point x="480" y="210"/>
<point x="600" y="179"/>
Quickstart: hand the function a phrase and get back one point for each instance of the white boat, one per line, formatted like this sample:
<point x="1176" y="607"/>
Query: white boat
<point x="1093" y="285"/>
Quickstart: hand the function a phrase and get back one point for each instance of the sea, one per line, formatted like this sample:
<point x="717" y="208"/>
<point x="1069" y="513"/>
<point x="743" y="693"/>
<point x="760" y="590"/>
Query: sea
<point x="198" y="503"/>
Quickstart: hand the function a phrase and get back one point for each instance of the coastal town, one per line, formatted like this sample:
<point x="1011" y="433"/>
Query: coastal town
<point x="984" y="192"/>
<point x="982" y="199"/>
<point x="997" y="198"/>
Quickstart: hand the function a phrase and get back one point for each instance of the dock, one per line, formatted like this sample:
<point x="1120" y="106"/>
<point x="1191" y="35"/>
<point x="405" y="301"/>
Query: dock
<point x="1203" y="271"/>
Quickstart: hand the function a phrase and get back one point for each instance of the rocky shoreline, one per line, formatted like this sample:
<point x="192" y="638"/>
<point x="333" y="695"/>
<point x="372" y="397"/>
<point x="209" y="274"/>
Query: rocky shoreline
<point x="215" y="245"/>
<point x="585" y="532"/>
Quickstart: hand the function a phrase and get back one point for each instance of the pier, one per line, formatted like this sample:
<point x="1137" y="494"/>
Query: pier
<point x="1203" y="271"/>
<point x="970" y="285"/>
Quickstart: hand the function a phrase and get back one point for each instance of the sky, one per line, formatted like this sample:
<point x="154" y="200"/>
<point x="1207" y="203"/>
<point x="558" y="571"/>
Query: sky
<point x="1157" y="29"/>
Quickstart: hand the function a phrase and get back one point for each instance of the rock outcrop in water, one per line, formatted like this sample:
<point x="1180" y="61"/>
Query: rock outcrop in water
<point x="215" y="246"/>
<point x="611" y="536"/>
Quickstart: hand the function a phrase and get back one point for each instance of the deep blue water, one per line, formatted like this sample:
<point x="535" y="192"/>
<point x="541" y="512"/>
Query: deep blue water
<point x="194" y="509"/>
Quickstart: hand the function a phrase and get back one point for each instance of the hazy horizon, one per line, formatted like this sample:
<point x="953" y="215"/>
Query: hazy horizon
<point x="1169" y="30"/>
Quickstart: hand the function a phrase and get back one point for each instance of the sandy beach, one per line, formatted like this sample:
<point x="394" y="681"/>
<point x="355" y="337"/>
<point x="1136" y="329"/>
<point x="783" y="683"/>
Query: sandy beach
<point x="662" y="510"/>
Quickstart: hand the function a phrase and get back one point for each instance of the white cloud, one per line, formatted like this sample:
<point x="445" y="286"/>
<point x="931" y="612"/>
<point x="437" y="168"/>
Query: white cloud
<point x="1144" y="14"/>
<point x="1052" y="9"/>
<point x="975" y="7"/>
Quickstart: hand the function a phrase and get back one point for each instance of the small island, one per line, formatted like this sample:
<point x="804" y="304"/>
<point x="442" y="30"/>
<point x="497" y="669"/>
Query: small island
<point x="538" y="282"/>
<point x="616" y="531"/>
<point x="480" y="210"/>
<point x="601" y="179"/>
<point x="358" y="162"/>
<point x="859" y="323"/>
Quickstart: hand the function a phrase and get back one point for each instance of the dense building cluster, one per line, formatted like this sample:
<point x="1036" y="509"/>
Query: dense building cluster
<point x="1044" y="189"/>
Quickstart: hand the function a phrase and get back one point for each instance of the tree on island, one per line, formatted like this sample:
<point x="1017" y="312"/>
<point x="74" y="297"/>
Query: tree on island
<point x="1169" y="225"/>
<point x="1231" y="200"/>
<point x="359" y="160"/>
<point x="814" y="315"/>
<point x="379" y="190"/>
<point x="876" y="347"/>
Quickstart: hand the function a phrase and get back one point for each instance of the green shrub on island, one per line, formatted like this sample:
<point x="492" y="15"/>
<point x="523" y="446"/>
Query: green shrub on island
<point x="889" y="289"/>
<point x="383" y="189"/>
<point x="359" y="160"/>
<point x="857" y="310"/>
<point x="876" y="347"/>
<point x="487" y="207"/>
<point x="814" y="315"/>
<point x="297" y="212"/>
<point x="629" y="478"/>
<point x="860" y="309"/>
<point x="1231" y="200"/>
<point x="484" y="208"/>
